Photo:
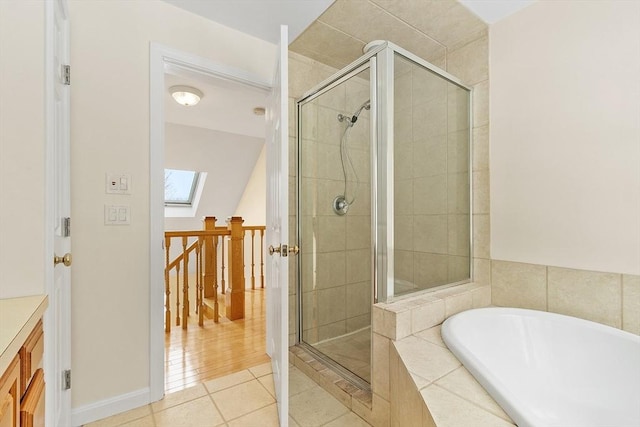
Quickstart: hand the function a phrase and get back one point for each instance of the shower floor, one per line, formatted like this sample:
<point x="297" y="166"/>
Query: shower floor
<point x="353" y="351"/>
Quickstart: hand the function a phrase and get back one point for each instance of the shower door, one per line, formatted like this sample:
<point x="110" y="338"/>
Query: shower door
<point x="334" y="222"/>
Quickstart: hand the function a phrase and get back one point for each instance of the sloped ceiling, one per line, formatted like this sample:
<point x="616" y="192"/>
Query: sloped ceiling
<point x="426" y="28"/>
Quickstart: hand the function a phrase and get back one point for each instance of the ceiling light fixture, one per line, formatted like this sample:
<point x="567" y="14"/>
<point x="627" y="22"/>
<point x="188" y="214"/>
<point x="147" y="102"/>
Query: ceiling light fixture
<point x="186" y="95"/>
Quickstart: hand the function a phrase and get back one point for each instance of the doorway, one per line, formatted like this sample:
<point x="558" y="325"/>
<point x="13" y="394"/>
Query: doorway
<point x="174" y="133"/>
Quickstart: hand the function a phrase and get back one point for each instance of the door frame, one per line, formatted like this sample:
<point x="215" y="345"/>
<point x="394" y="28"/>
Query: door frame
<point x="161" y="56"/>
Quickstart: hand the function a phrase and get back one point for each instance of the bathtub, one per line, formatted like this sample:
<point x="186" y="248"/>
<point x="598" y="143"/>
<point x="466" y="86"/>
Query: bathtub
<point x="550" y="370"/>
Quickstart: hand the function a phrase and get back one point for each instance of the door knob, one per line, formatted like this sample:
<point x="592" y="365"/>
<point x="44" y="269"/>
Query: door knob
<point x="273" y="250"/>
<point x="284" y="250"/>
<point x="66" y="260"/>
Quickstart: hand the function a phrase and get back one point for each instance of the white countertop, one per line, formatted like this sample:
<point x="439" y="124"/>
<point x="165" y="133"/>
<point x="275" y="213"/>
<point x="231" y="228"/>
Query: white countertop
<point x="18" y="317"/>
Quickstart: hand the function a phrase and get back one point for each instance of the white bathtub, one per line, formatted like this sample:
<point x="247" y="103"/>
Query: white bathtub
<point x="549" y="370"/>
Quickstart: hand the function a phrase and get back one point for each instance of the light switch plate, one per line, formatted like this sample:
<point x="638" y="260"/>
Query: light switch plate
<point x="118" y="183"/>
<point x="117" y="215"/>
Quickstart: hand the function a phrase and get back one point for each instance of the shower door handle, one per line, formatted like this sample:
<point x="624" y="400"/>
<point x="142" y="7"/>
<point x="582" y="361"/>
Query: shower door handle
<point x="284" y="250"/>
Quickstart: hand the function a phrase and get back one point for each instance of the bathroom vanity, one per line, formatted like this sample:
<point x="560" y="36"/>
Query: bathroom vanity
<point x="21" y="361"/>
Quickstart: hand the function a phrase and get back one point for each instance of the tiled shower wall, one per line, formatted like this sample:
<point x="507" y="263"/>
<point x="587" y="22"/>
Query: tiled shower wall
<point x="431" y="177"/>
<point x="336" y="250"/>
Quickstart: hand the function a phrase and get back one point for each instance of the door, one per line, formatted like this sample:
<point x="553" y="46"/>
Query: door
<point x="57" y="319"/>
<point x="278" y="229"/>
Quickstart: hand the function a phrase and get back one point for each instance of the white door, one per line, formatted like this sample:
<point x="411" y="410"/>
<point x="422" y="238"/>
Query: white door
<point x="278" y="229"/>
<point x="58" y="316"/>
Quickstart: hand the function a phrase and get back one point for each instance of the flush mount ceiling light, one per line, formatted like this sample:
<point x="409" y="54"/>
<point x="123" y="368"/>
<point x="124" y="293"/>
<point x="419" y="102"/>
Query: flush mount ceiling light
<point x="186" y="95"/>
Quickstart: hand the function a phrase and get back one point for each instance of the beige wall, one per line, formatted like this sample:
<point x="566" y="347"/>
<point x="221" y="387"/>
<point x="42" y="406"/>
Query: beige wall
<point x="110" y="132"/>
<point x="565" y="132"/>
<point x="565" y="161"/>
<point x="22" y="148"/>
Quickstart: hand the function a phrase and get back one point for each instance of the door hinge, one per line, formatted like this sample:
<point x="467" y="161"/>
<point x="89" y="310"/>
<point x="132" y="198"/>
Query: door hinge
<point x="66" y="227"/>
<point x="66" y="379"/>
<point x="66" y="74"/>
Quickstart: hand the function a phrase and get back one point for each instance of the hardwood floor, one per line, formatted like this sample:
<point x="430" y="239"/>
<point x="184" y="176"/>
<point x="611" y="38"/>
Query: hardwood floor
<point x="217" y="349"/>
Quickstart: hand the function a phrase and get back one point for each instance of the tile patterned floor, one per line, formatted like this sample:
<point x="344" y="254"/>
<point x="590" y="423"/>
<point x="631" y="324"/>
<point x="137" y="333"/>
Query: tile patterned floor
<point x="242" y="399"/>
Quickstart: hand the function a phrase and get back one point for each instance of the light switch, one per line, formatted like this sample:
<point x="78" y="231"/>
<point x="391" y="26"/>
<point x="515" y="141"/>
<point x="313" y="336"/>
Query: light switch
<point x="118" y="183"/>
<point x="117" y="215"/>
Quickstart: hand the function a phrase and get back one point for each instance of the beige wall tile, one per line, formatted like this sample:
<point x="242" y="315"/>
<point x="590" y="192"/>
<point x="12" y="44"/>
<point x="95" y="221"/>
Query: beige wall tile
<point x="403" y="232"/>
<point x="458" y="193"/>
<point x="458" y="235"/>
<point x="430" y="195"/>
<point x="406" y="403"/>
<point x="458" y="303"/>
<point x="481" y="104"/>
<point x="449" y="410"/>
<point x="358" y="299"/>
<point x="403" y="197"/>
<point x="321" y="38"/>
<point x="332" y="330"/>
<point x="380" y="366"/>
<point x="358" y="232"/>
<point x="481" y="297"/>
<point x="427" y="315"/>
<point x="458" y="151"/>
<point x="515" y="284"/>
<point x="430" y="269"/>
<point x="430" y="156"/>
<point x="481" y="192"/>
<point x="430" y="233"/>
<point x="429" y="119"/>
<point x="481" y="148"/>
<point x="470" y="63"/>
<point x="462" y="383"/>
<point x="585" y="294"/>
<point x="331" y="305"/>
<point x="457" y="109"/>
<point x="358" y="265"/>
<point x="631" y="303"/>
<point x="426" y="85"/>
<point x="430" y="361"/>
<point x="481" y="231"/>
<point x="332" y="233"/>
<point x="331" y="270"/>
<point x="482" y="271"/>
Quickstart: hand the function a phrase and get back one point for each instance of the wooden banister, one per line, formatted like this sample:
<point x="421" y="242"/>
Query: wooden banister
<point x="216" y="251"/>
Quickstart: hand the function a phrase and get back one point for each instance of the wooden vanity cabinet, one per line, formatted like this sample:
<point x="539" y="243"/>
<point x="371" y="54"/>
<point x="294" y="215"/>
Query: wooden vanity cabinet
<point x="22" y="384"/>
<point x="10" y="395"/>
<point x="32" y="379"/>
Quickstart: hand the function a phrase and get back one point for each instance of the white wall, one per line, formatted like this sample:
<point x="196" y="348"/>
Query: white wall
<point x="22" y="148"/>
<point x="253" y="208"/>
<point x="110" y="133"/>
<point x="252" y="205"/>
<point x="229" y="161"/>
<point x="565" y="136"/>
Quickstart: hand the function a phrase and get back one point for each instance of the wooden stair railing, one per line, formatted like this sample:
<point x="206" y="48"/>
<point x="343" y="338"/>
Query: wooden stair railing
<point x="211" y="261"/>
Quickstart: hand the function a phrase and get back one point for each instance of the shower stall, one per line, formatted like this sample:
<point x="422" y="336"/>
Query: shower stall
<point x="383" y="197"/>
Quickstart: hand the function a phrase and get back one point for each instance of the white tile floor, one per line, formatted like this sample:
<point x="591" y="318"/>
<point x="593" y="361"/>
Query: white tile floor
<point x="243" y="399"/>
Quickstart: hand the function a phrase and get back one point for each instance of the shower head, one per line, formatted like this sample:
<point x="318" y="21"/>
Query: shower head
<point x="365" y="106"/>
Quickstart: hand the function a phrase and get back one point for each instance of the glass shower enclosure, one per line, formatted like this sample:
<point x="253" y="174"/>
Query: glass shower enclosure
<point x="383" y="182"/>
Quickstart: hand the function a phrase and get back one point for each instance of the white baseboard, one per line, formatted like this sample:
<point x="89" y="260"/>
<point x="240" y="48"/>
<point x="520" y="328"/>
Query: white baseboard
<point x="108" y="407"/>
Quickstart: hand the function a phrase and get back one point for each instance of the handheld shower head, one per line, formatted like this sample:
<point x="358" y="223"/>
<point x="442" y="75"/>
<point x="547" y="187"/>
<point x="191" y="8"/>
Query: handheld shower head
<point x="365" y="106"/>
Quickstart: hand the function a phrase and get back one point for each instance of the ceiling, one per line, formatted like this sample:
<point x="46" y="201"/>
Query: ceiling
<point x="226" y="106"/>
<point x="259" y="18"/>
<point x="229" y="107"/>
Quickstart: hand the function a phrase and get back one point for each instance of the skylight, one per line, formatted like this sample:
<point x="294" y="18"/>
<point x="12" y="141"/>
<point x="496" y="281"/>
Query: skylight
<point x="179" y="187"/>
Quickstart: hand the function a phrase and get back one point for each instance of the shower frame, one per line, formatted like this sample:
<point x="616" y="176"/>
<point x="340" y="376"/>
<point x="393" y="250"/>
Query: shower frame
<point x="380" y="60"/>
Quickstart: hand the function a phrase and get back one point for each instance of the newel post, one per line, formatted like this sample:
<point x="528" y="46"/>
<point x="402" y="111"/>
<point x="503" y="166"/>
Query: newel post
<point x="234" y="298"/>
<point x="210" y="258"/>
